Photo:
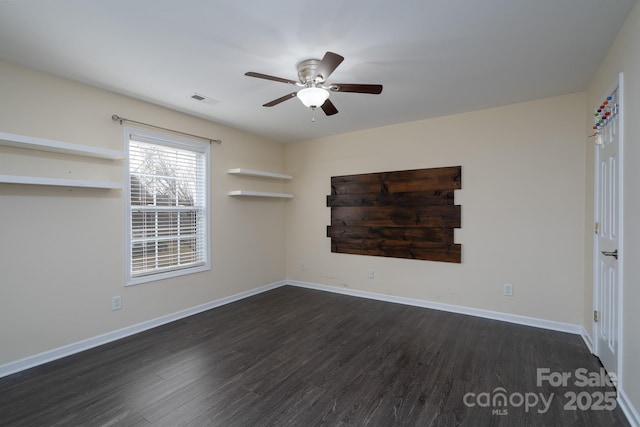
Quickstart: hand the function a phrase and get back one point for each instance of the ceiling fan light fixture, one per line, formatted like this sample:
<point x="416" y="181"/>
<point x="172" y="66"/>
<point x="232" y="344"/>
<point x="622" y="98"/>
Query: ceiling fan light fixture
<point x="313" y="97"/>
<point x="314" y="91"/>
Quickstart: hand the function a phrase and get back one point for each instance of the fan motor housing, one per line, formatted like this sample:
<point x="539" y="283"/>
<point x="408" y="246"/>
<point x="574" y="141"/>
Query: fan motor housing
<point x="307" y="70"/>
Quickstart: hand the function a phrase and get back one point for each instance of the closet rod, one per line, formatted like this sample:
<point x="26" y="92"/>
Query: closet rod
<point x="117" y="118"/>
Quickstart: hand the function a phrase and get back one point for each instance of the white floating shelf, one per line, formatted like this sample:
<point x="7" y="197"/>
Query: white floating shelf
<point x="251" y="172"/>
<point x="247" y="193"/>
<point x="34" y="143"/>
<point x="36" y="180"/>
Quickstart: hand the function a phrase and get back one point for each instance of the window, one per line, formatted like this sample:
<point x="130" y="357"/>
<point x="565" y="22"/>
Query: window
<point x="167" y="206"/>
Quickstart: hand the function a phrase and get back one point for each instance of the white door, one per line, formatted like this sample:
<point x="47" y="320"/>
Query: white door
<point x="607" y="255"/>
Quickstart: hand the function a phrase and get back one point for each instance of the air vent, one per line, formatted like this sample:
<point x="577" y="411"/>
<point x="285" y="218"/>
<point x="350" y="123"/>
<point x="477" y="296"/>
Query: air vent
<point x="204" y="99"/>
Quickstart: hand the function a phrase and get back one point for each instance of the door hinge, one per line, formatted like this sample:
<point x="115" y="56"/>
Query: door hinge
<point x="595" y="315"/>
<point x="595" y="229"/>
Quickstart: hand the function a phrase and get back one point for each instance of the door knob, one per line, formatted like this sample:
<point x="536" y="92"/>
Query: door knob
<point x="613" y="254"/>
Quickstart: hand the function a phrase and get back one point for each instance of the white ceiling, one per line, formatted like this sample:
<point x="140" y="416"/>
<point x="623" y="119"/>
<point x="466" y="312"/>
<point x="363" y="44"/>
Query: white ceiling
<point x="434" y="58"/>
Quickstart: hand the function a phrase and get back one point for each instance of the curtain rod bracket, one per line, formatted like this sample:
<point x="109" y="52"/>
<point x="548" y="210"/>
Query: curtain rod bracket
<point x="117" y="118"/>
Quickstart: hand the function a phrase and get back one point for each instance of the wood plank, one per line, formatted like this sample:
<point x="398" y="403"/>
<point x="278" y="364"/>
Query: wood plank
<point x="421" y="234"/>
<point x="427" y="216"/>
<point x="429" y="251"/>
<point x="414" y="198"/>
<point x="446" y="178"/>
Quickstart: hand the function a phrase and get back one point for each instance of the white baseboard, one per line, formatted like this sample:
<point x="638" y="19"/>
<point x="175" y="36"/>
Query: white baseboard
<point x="629" y="410"/>
<point x="623" y="400"/>
<point x="495" y="315"/>
<point x="10" y="368"/>
<point x="67" y="350"/>
<point x="625" y="404"/>
<point x="587" y="339"/>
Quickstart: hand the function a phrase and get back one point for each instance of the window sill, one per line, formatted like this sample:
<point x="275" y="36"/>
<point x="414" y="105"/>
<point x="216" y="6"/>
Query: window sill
<point x="132" y="281"/>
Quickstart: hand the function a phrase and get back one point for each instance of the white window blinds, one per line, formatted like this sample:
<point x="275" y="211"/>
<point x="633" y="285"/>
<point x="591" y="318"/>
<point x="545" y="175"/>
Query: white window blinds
<point x="167" y="205"/>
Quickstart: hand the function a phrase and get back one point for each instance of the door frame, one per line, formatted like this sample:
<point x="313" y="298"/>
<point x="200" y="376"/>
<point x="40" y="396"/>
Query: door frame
<point x="621" y="252"/>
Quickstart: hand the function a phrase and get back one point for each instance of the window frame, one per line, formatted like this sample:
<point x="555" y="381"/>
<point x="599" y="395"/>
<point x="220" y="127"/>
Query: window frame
<point x="172" y="141"/>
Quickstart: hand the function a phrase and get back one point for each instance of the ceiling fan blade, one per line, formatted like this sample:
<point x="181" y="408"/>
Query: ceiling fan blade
<point x="357" y="88"/>
<point x="279" y="100"/>
<point x="328" y="108"/>
<point x="268" y="77"/>
<point x="329" y="63"/>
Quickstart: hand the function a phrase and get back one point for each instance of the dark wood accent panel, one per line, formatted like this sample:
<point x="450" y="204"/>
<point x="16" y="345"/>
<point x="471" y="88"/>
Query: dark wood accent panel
<point x="402" y="214"/>
<point x="416" y="198"/>
<point x="448" y="178"/>
<point x="411" y="234"/>
<point x="433" y="251"/>
<point x="424" y="216"/>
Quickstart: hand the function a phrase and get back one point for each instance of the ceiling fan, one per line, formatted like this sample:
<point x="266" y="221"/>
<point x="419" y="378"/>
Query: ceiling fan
<point x="313" y="75"/>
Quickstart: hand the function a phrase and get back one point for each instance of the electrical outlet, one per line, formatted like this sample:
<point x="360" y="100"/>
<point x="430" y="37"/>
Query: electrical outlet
<point x="116" y="303"/>
<point x="508" y="290"/>
<point x="303" y="265"/>
<point x="370" y="274"/>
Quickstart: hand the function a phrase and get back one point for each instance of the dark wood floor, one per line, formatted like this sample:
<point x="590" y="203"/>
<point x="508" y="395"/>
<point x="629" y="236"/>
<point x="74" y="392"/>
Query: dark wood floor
<point x="299" y="357"/>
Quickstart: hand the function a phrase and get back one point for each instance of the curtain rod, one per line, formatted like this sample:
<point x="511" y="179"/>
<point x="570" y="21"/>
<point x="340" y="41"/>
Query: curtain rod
<point x="117" y="118"/>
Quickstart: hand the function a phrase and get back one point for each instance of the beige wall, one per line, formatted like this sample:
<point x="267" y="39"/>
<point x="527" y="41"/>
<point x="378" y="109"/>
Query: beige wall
<point x="522" y="197"/>
<point x="61" y="251"/>
<point x="623" y="57"/>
